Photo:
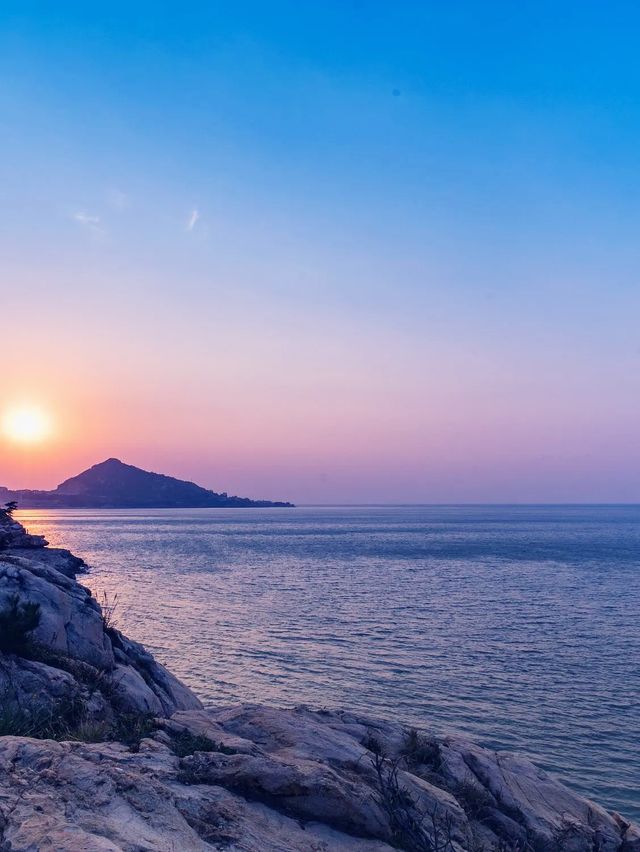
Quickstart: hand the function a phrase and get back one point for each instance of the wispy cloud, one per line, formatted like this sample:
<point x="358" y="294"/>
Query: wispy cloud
<point x="89" y="221"/>
<point x="192" y="220"/>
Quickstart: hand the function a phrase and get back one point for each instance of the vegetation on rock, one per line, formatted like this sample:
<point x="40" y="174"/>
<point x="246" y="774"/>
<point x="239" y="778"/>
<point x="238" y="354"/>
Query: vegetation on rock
<point x="17" y="621"/>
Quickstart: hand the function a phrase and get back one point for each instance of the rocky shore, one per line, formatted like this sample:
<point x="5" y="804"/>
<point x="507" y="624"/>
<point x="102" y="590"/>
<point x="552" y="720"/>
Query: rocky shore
<point x="101" y="748"/>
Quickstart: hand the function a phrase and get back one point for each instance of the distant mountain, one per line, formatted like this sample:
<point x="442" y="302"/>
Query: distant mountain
<point x="115" y="485"/>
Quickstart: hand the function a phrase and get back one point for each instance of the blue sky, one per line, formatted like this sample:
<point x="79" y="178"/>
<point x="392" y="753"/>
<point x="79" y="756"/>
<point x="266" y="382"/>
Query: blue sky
<point x="359" y="250"/>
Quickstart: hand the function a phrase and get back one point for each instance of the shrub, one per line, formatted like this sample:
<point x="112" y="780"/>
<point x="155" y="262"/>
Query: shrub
<point x="185" y="743"/>
<point x="473" y="800"/>
<point x="5" y="536"/>
<point x="420" y="750"/>
<point x="70" y="719"/>
<point x="54" y="723"/>
<point x="371" y="743"/>
<point x="17" y="621"/>
<point x="89" y="731"/>
<point x="131" y="728"/>
<point x="15" y="722"/>
<point x="411" y="828"/>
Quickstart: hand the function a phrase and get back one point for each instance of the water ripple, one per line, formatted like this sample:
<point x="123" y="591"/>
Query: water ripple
<point x="517" y="625"/>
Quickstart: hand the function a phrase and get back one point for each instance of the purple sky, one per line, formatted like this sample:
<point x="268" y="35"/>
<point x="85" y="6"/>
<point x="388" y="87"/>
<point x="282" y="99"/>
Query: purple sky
<point x="323" y="255"/>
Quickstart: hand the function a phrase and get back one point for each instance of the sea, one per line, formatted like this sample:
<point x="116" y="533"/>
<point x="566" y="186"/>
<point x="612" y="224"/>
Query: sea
<point x="518" y="626"/>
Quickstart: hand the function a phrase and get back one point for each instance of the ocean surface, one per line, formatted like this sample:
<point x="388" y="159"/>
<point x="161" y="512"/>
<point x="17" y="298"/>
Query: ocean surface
<point x="517" y="625"/>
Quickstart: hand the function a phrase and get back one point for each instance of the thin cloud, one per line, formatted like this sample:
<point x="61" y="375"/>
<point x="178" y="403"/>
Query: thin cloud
<point x="89" y="221"/>
<point x="192" y="220"/>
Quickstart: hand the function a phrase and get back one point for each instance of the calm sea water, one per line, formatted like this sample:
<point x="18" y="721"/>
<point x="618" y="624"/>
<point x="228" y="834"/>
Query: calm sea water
<point x="517" y="625"/>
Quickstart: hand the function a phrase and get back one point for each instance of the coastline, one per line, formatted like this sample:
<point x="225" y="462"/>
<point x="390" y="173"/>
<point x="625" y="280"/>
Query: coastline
<point x="244" y="777"/>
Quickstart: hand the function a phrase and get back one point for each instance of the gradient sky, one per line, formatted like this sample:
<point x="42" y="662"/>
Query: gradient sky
<point x="338" y="251"/>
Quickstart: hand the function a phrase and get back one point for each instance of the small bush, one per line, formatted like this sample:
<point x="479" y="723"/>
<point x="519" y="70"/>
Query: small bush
<point x="186" y="743"/>
<point x="17" y="723"/>
<point x="410" y="827"/>
<point x="17" y="621"/>
<point x="90" y="731"/>
<point x="131" y="728"/>
<point x="372" y="744"/>
<point x="419" y="750"/>
<point x="56" y="723"/>
<point x="474" y="800"/>
<point x="9" y="508"/>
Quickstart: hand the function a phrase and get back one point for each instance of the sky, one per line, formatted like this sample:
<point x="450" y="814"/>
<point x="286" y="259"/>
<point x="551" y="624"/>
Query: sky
<point x="328" y="252"/>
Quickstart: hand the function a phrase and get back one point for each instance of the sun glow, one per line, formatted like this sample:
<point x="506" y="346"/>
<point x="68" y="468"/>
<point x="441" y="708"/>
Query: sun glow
<point x="26" y="424"/>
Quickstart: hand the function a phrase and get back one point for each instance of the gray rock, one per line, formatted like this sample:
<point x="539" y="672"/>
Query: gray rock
<point x="297" y="780"/>
<point x="72" y="644"/>
<point x="33" y="688"/>
<point x="85" y="798"/>
<point x="70" y="619"/>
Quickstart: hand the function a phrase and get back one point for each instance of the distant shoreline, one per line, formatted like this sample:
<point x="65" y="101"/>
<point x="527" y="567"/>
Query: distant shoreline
<point x="258" y="504"/>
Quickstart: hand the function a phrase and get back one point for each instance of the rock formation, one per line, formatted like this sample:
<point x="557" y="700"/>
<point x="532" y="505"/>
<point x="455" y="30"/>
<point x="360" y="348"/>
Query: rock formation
<point x="103" y="749"/>
<point x="72" y="654"/>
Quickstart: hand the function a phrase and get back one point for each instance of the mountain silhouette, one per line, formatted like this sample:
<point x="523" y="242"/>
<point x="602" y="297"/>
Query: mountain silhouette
<point x="115" y="485"/>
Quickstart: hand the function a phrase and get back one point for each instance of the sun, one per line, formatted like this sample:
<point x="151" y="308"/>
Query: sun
<point x="26" y="424"/>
